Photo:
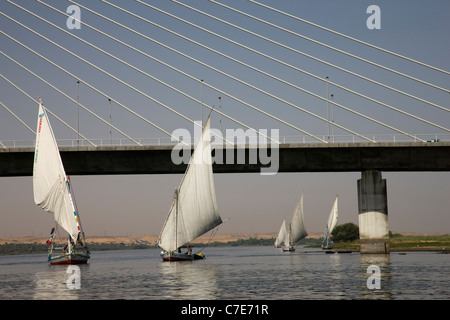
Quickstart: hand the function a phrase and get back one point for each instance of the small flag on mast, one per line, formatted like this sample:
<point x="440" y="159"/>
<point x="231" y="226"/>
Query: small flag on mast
<point x="52" y="233"/>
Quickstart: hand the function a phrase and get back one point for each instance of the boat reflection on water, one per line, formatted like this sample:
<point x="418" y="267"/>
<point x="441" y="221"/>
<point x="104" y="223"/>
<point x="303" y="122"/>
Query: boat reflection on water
<point x="53" y="285"/>
<point x="231" y="273"/>
<point x="192" y="279"/>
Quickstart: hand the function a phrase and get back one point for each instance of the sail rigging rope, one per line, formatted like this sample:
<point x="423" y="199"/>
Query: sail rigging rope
<point x="213" y="233"/>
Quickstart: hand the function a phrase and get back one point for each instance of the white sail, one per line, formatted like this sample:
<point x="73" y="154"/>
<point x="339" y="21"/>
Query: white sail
<point x="281" y="234"/>
<point x="51" y="187"/>
<point x="194" y="210"/>
<point x="333" y="217"/>
<point x="297" y="225"/>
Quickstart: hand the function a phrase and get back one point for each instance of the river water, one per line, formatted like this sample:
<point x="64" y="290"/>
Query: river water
<point x="231" y="273"/>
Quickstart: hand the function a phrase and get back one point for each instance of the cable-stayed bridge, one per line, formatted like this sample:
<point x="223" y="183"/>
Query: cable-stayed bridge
<point x="120" y="77"/>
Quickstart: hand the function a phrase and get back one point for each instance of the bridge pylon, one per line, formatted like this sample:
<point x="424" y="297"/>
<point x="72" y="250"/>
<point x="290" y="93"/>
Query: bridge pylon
<point x="373" y="213"/>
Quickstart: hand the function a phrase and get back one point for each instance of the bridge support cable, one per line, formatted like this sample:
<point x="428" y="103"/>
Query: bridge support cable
<point x="251" y="86"/>
<point x="15" y="116"/>
<point x="191" y="77"/>
<point x="281" y="80"/>
<point x="297" y="69"/>
<point x="67" y="96"/>
<point x="149" y="75"/>
<point x="126" y="84"/>
<point x="153" y="78"/>
<point x="332" y="65"/>
<point x="175" y="69"/>
<point x="351" y="38"/>
<point x="98" y="91"/>
<point x="225" y="74"/>
<point x="47" y="109"/>
<point x="137" y="69"/>
<point x="333" y="48"/>
<point x="91" y="87"/>
<point x="318" y="60"/>
<point x="219" y="71"/>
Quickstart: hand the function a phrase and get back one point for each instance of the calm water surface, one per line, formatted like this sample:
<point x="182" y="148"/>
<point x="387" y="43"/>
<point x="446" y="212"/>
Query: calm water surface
<point x="231" y="273"/>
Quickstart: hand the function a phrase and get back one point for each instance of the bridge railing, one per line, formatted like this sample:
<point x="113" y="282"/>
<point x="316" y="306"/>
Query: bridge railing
<point x="299" y="139"/>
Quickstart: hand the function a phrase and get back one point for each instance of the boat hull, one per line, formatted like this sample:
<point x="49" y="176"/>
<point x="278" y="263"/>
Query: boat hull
<point x="176" y="256"/>
<point x="66" y="259"/>
<point x="290" y="249"/>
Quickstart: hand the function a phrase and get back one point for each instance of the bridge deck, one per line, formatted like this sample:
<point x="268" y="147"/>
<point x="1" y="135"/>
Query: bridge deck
<point x="332" y="157"/>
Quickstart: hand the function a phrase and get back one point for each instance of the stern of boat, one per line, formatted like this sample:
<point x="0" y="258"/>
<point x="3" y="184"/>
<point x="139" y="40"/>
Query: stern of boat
<point x="69" y="258"/>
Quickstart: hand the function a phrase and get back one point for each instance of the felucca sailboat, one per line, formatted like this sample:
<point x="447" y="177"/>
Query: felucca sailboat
<point x="194" y="209"/>
<point x="296" y="230"/>
<point x="332" y="222"/>
<point x="53" y="193"/>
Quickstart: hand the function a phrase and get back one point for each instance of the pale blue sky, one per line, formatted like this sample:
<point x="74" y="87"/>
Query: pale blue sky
<point x="137" y="205"/>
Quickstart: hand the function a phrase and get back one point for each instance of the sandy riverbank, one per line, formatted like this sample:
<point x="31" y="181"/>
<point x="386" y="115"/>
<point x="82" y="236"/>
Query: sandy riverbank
<point x="152" y="238"/>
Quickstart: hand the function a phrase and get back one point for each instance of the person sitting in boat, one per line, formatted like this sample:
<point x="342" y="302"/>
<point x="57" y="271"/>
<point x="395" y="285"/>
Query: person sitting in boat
<point x="189" y="250"/>
<point x="179" y="250"/>
<point x="79" y="240"/>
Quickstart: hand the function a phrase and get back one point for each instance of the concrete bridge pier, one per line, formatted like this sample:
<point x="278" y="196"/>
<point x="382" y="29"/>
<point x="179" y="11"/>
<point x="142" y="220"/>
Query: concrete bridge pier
<point x="373" y="213"/>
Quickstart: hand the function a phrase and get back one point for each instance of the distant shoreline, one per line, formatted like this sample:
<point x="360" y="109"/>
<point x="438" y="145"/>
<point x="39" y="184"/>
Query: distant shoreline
<point x="147" y="238"/>
<point x="228" y="237"/>
<point x="398" y="242"/>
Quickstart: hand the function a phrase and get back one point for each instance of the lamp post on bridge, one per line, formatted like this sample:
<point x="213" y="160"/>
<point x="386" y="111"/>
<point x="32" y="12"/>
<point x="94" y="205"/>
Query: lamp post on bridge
<point x="78" y="117"/>
<point x="110" y="120"/>
<point x="201" y="94"/>
<point x="332" y="116"/>
<point x="328" y="117"/>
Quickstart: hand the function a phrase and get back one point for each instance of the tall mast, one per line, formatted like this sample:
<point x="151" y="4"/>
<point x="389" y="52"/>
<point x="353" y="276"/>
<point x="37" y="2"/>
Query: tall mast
<point x="176" y="218"/>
